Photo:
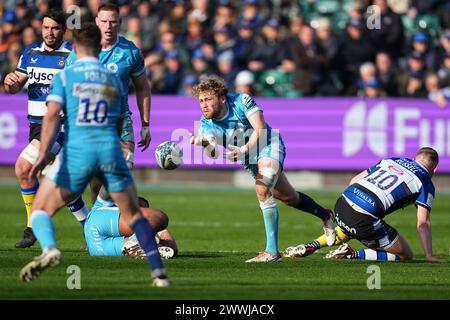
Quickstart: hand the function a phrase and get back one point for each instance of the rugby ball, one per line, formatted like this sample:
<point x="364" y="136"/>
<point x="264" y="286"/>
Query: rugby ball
<point x="168" y="155"/>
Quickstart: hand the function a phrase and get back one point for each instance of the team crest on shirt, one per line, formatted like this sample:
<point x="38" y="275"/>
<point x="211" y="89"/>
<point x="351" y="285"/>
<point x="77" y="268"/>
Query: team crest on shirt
<point x="396" y="170"/>
<point x="112" y="67"/>
<point x="61" y="63"/>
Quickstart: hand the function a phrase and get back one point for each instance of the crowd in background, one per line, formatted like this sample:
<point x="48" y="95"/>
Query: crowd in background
<point x="285" y="48"/>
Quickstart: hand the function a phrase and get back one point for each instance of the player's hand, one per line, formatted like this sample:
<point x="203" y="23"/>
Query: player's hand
<point x="145" y="138"/>
<point x="40" y="164"/>
<point x="12" y="80"/>
<point x="235" y="153"/>
<point x="197" y="140"/>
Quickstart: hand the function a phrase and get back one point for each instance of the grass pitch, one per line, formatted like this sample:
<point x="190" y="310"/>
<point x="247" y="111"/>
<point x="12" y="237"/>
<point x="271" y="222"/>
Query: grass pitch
<point x="216" y="231"/>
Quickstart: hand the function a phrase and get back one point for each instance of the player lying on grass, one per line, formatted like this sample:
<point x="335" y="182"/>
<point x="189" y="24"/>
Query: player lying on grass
<point x="236" y="122"/>
<point x="107" y="233"/>
<point x="391" y="184"/>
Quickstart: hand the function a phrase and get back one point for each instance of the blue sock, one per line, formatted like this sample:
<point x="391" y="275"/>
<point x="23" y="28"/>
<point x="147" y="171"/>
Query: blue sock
<point x="79" y="210"/>
<point x="307" y="204"/>
<point x="375" y="255"/>
<point x="146" y="237"/>
<point x="43" y="229"/>
<point x="271" y="224"/>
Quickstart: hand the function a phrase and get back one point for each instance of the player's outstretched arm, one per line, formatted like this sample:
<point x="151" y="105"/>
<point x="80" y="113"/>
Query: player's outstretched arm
<point x="143" y="99"/>
<point x="14" y="82"/>
<point x="48" y="132"/>
<point x="424" y="230"/>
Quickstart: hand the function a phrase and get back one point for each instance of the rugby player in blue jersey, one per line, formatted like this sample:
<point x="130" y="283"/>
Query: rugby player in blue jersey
<point x="235" y="121"/>
<point x="38" y="65"/>
<point x="388" y="186"/>
<point x="108" y="234"/>
<point x="91" y="98"/>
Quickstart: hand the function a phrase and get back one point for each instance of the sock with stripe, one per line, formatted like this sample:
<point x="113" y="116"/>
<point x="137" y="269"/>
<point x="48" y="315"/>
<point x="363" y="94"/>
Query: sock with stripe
<point x="43" y="229"/>
<point x="307" y="204"/>
<point x="341" y="237"/>
<point x="28" y="195"/>
<point x="375" y="255"/>
<point x="79" y="210"/>
<point x="146" y="237"/>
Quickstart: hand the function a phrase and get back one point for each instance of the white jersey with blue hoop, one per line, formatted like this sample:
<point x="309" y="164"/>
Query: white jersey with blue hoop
<point x="392" y="184"/>
<point x="40" y="66"/>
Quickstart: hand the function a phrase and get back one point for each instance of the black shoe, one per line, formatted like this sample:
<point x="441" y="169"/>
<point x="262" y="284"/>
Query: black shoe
<point x="27" y="240"/>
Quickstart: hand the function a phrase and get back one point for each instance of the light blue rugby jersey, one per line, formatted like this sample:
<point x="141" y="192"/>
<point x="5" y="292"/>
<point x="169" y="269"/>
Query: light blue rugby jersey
<point x="92" y="100"/>
<point x="235" y="128"/>
<point x="123" y="58"/>
<point x="392" y="184"/>
<point x="40" y="66"/>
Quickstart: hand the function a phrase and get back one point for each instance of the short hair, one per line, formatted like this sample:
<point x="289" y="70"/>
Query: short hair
<point x="56" y="15"/>
<point x="88" y="36"/>
<point x="429" y="156"/>
<point x="109" y="7"/>
<point x="144" y="201"/>
<point x="211" y="83"/>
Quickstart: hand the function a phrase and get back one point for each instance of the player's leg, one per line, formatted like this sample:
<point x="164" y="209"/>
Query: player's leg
<point x="49" y="199"/>
<point x="28" y="188"/>
<point x="285" y="192"/>
<point x="127" y="202"/>
<point x="304" y="250"/>
<point x="266" y="178"/>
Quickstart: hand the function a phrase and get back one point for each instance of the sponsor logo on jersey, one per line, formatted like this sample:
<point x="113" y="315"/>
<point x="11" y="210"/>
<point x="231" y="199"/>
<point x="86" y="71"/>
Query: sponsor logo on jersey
<point x="34" y="60"/>
<point x="396" y="170"/>
<point x="37" y="75"/>
<point x="117" y="56"/>
<point x="112" y="67"/>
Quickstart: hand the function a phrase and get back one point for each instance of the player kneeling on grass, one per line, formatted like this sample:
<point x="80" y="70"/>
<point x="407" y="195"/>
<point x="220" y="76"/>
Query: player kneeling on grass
<point x="108" y="234"/>
<point x="235" y="121"/>
<point x="391" y="184"/>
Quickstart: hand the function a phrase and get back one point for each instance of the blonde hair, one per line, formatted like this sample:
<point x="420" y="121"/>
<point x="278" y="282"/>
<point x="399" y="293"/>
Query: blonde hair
<point x="213" y="84"/>
<point x="428" y="156"/>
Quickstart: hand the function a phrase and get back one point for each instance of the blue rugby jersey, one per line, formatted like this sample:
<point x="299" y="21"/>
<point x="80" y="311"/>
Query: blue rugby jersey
<point x="392" y="184"/>
<point x="40" y="66"/>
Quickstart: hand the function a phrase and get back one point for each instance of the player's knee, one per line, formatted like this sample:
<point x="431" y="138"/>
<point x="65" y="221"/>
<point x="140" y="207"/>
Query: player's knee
<point x="267" y="203"/>
<point x="406" y="256"/>
<point x="22" y="168"/>
<point x="267" y="176"/>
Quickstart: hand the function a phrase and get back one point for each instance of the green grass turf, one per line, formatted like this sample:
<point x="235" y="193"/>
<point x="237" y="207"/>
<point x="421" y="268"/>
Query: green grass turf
<point x="217" y="230"/>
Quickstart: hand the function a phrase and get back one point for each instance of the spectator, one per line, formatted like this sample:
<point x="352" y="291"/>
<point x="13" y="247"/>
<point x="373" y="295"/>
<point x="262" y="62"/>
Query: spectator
<point x="389" y="37"/>
<point x="194" y="35"/>
<point x="411" y="83"/>
<point x="148" y="15"/>
<point x="421" y="44"/>
<point x="444" y="70"/>
<point x="226" y="68"/>
<point x="28" y="36"/>
<point x="244" y="82"/>
<point x="173" y="73"/>
<point x="435" y="93"/>
<point x="355" y="49"/>
<point x="245" y="43"/>
<point x="223" y="38"/>
<point x="251" y="12"/>
<point x="270" y="51"/>
<point x="310" y="61"/>
<point x="154" y="64"/>
<point x="134" y="32"/>
<point x="225" y="14"/>
<point x="386" y="73"/>
<point x="372" y="89"/>
<point x="167" y="44"/>
<point x="23" y="15"/>
<point x="200" y="65"/>
<point x="188" y="83"/>
<point x="367" y="72"/>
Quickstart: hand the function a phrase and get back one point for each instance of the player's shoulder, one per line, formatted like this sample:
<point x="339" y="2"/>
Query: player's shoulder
<point x="125" y="44"/>
<point x="66" y="47"/>
<point x="241" y="100"/>
<point x="32" y="47"/>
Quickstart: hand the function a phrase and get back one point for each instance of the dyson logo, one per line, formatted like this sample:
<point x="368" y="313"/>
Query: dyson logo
<point x="391" y="132"/>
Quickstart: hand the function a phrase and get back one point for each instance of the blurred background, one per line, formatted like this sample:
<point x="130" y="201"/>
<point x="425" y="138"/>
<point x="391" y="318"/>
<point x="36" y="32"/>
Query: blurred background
<point x="346" y="82"/>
